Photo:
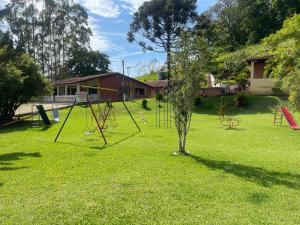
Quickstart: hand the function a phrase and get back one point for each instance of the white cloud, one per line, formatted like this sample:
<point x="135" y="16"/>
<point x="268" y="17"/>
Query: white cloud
<point x="129" y="54"/>
<point x="97" y="40"/>
<point x="3" y="3"/>
<point x="4" y="26"/>
<point x="110" y="8"/>
<point x="104" y="8"/>
<point x="115" y="34"/>
<point x="133" y="4"/>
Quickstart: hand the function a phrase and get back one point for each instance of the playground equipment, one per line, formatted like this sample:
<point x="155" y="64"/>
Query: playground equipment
<point x="222" y="110"/>
<point x="81" y="97"/>
<point x="101" y="118"/>
<point x="36" y="113"/>
<point x="227" y="121"/>
<point x="284" y="112"/>
<point x="106" y="117"/>
<point x="278" y="117"/>
<point x="43" y="114"/>
<point x="143" y="118"/>
<point x="55" y="115"/>
<point x="230" y="122"/>
<point x="162" y="104"/>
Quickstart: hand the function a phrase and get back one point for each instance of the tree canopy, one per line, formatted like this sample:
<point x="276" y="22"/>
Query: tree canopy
<point x="284" y="66"/>
<point x="233" y="23"/>
<point x="50" y="31"/>
<point x="161" y="22"/>
<point x="20" y="79"/>
<point x="84" y="63"/>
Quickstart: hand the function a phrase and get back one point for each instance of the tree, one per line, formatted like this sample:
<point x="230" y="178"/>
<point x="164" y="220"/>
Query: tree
<point x="283" y="9"/>
<point x="284" y="66"/>
<point x="161" y="22"/>
<point x="84" y="63"/>
<point x="20" y="79"/>
<point x="228" y="22"/>
<point x="50" y="32"/>
<point x="233" y="67"/>
<point x="190" y="63"/>
<point x="206" y="27"/>
<point x="233" y="23"/>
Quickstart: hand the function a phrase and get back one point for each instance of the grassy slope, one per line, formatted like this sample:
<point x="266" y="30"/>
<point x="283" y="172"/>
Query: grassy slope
<point x="148" y="77"/>
<point x="255" y="50"/>
<point x="246" y="176"/>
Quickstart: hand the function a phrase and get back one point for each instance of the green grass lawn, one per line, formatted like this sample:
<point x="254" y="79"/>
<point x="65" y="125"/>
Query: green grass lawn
<point x="249" y="175"/>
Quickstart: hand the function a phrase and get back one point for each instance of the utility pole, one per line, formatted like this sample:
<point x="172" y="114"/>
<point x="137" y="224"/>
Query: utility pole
<point x="123" y="67"/>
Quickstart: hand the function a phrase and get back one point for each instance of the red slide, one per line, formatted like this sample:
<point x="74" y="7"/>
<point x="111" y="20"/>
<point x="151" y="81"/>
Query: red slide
<point x="289" y="117"/>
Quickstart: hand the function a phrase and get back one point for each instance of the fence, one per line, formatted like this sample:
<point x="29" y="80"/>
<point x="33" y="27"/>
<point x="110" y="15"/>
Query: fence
<point x="65" y="99"/>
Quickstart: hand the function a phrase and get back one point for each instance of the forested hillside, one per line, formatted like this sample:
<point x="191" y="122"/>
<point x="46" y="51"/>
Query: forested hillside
<point x="230" y="24"/>
<point x="55" y="33"/>
<point x="241" y="29"/>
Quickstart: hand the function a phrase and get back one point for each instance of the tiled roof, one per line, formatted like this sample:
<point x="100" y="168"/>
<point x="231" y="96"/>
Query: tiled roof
<point x="158" y="83"/>
<point x="77" y="80"/>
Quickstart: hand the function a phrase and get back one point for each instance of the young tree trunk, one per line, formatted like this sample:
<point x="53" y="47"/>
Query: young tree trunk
<point x="181" y="141"/>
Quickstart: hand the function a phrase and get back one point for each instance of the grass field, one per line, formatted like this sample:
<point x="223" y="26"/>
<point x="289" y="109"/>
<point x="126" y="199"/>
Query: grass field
<point x="249" y="175"/>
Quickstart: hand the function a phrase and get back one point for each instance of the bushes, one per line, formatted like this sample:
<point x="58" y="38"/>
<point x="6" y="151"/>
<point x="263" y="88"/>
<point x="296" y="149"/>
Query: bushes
<point x="159" y="96"/>
<point x="145" y="104"/>
<point x="228" y="82"/>
<point x="198" y="101"/>
<point x="20" y="80"/>
<point x="241" y="100"/>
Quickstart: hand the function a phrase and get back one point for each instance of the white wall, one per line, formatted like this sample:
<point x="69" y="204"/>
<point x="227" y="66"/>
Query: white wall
<point x="261" y="86"/>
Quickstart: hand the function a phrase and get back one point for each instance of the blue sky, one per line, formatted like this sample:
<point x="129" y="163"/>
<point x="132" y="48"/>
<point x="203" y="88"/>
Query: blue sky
<point x="110" y="20"/>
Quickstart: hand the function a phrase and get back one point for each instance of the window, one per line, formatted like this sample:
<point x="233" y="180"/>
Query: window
<point x="139" y="91"/>
<point x="73" y="91"/>
<point x="92" y="91"/>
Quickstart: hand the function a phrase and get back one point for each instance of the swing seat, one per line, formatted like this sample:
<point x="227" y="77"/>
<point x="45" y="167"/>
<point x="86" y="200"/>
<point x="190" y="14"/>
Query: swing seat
<point x="55" y="115"/>
<point x="88" y="133"/>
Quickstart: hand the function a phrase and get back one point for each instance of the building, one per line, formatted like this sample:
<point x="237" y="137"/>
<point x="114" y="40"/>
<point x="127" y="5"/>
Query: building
<point x="259" y="85"/>
<point x="157" y="86"/>
<point x="102" y="87"/>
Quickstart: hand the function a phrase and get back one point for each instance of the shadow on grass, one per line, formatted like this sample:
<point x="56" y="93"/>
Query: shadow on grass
<point x="13" y="168"/>
<point x="6" y="158"/>
<point x="18" y="126"/>
<point x="78" y="145"/>
<point x="235" y="129"/>
<point x="23" y="126"/>
<point x="258" y="198"/>
<point x="116" y="143"/>
<point x="1" y="184"/>
<point x="258" y="175"/>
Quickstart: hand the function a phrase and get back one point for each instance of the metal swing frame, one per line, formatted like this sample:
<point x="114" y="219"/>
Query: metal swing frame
<point x="94" y="114"/>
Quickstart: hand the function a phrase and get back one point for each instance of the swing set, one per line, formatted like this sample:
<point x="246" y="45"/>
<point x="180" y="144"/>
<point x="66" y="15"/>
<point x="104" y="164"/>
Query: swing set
<point x="103" y="117"/>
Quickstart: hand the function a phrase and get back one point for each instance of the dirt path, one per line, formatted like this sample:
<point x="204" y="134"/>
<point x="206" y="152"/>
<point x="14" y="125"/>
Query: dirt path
<point x="26" y="109"/>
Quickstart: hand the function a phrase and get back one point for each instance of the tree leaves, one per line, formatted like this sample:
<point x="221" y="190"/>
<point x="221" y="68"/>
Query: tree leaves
<point x="20" y="80"/>
<point x="51" y="31"/>
<point x="161" y="22"/>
